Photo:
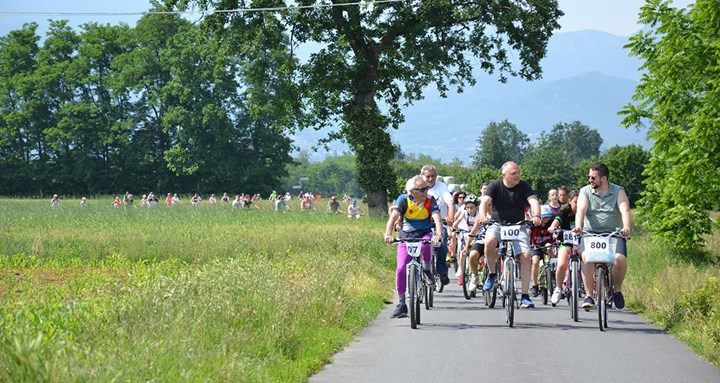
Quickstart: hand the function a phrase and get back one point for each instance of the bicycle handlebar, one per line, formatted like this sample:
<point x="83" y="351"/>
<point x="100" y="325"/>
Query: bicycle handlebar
<point x="615" y="233"/>
<point x="422" y="240"/>
<point x="505" y="223"/>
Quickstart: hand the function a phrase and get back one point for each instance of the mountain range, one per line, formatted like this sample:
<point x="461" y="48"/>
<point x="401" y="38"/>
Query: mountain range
<point x="587" y="77"/>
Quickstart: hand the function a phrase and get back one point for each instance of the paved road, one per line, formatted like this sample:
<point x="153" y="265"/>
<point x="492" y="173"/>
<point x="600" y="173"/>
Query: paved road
<point x="463" y="341"/>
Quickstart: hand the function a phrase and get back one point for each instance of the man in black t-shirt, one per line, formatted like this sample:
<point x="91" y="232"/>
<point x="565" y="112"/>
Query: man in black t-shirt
<point x="507" y="197"/>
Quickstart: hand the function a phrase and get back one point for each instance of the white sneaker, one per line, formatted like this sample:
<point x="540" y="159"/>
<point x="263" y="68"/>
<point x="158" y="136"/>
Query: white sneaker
<point x="473" y="282"/>
<point x="556" y="296"/>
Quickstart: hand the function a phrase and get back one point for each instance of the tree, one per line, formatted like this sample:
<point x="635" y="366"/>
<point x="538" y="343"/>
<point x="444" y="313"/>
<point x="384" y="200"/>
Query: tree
<point x="19" y="146"/>
<point x="576" y="140"/>
<point x="546" y="167"/>
<point x="389" y="53"/>
<point x="486" y="174"/>
<point x="626" y="164"/>
<point x="499" y="143"/>
<point x="680" y="95"/>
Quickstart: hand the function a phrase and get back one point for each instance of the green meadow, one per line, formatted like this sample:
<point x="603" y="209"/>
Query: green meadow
<point x="182" y="293"/>
<point x="208" y="293"/>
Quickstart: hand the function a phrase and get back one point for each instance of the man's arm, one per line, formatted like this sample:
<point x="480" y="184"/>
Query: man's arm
<point x="535" y="210"/>
<point x="459" y="219"/>
<point x="624" y="206"/>
<point x="485" y="203"/>
<point x="582" y="205"/>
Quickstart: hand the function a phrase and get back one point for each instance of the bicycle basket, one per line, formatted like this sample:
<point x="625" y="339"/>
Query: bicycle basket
<point x="599" y="249"/>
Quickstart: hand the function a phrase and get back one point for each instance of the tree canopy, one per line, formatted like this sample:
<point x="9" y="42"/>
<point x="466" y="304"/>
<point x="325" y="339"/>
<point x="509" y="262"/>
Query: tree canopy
<point x="389" y="53"/>
<point x="499" y="143"/>
<point x="679" y="95"/>
<point x="160" y="106"/>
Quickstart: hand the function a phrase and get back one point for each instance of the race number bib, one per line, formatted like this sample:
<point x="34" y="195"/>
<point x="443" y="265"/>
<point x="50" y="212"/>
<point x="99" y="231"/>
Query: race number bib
<point x="599" y="249"/>
<point x="510" y="233"/>
<point x="413" y="249"/>
<point x="569" y="237"/>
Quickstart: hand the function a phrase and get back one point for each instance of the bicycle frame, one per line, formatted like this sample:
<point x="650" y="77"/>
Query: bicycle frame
<point x="509" y="234"/>
<point x="572" y="276"/>
<point x="417" y="281"/>
<point x="600" y="252"/>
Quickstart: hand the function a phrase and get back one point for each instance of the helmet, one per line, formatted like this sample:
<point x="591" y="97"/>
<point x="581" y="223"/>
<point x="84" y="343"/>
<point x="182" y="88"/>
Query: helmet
<point x="471" y="198"/>
<point x="545" y="211"/>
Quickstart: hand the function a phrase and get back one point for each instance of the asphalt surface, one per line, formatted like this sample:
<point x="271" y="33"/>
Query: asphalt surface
<point x="462" y="340"/>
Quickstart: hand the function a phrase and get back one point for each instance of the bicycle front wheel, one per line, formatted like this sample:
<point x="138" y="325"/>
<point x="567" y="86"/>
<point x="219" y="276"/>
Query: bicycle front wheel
<point x="574" y="291"/>
<point x="510" y="293"/>
<point x="465" y="267"/>
<point x="601" y="297"/>
<point x="413" y="279"/>
<point x="428" y="297"/>
<point x="543" y="277"/>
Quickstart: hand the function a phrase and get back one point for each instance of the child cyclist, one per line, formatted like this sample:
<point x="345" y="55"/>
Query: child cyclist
<point x="465" y="221"/>
<point x="540" y="238"/>
<point x="566" y="221"/>
<point x="418" y="211"/>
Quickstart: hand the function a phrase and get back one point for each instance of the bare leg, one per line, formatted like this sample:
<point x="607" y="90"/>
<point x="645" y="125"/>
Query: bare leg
<point x="619" y="271"/>
<point x="525" y="271"/>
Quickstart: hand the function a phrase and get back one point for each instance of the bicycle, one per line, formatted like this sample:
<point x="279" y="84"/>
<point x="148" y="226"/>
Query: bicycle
<point x="430" y="293"/>
<point x="572" y="278"/>
<point x="546" y="273"/>
<point x="462" y="240"/>
<point x="418" y="288"/>
<point x="438" y="282"/>
<point x="467" y="269"/>
<point x="600" y="251"/>
<point x="509" y="234"/>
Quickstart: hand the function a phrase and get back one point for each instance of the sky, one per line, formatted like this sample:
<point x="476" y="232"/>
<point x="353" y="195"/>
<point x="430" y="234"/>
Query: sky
<point x="618" y="17"/>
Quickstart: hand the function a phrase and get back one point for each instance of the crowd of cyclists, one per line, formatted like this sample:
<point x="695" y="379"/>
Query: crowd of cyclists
<point x="306" y="202"/>
<point x="428" y="210"/>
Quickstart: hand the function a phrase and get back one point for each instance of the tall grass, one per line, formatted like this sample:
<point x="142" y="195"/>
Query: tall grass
<point x="680" y="296"/>
<point x="182" y="293"/>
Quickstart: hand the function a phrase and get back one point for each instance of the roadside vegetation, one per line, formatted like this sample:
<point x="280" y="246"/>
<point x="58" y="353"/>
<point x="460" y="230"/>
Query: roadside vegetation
<point x="211" y="294"/>
<point x="182" y="293"/>
<point x="679" y="295"/>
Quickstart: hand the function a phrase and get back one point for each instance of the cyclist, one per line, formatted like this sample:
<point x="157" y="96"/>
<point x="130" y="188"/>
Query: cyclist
<point x="465" y="221"/>
<point x="459" y="199"/>
<point x="447" y="211"/>
<point x="477" y="248"/>
<point x="506" y="198"/>
<point x="566" y="221"/>
<point x="603" y="206"/>
<point x="540" y="238"/>
<point x="417" y="211"/>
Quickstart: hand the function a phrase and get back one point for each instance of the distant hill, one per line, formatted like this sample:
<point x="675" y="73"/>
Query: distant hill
<point x="587" y="76"/>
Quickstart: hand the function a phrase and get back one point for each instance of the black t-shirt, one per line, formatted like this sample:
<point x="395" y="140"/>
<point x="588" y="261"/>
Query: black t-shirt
<point x="566" y="218"/>
<point x="509" y="203"/>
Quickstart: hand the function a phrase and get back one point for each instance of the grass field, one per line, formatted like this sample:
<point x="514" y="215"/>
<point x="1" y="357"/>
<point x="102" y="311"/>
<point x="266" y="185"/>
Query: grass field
<point x="182" y="293"/>
<point x="213" y="294"/>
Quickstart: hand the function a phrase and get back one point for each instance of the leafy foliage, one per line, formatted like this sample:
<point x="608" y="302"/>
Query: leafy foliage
<point x="499" y="143"/>
<point x="158" y="106"/>
<point x="389" y="53"/>
<point x="679" y="94"/>
<point x="627" y="164"/>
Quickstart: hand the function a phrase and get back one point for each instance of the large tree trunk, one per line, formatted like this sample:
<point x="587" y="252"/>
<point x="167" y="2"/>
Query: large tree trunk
<point x="366" y="133"/>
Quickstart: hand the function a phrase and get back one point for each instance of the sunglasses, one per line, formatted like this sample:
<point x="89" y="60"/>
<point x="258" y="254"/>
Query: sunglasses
<point x="591" y="178"/>
<point x="461" y="197"/>
<point x="422" y="190"/>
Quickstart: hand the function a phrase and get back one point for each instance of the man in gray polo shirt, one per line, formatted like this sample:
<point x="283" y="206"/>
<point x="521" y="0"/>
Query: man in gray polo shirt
<point x="601" y="208"/>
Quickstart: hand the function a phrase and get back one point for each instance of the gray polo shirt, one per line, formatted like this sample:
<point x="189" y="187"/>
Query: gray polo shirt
<point x="603" y="214"/>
